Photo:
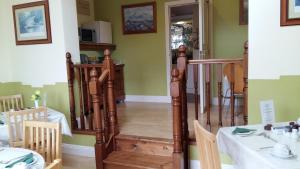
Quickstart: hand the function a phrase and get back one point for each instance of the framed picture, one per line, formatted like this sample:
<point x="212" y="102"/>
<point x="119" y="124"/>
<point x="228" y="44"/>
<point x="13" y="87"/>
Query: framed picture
<point x="32" y="23"/>
<point x="244" y="12"/>
<point x="290" y="12"/>
<point x="139" y="18"/>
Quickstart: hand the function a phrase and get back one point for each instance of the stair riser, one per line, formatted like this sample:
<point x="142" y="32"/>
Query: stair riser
<point x="145" y="147"/>
<point x="113" y="166"/>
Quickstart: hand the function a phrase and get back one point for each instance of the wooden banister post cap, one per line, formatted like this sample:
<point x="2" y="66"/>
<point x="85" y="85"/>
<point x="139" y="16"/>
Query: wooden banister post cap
<point x="93" y="73"/>
<point x="174" y="88"/>
<point x="182" y="48"/>
<point x="182" y="51"/>
<point x="107" y="52"/>
<point x="68" y="56"/>
<point x="246" y="45"/>
<point x="175" y="73"/>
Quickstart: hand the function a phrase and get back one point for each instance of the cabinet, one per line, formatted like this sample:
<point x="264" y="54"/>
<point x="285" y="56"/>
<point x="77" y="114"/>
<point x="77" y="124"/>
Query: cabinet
<point x="119" y="82"/>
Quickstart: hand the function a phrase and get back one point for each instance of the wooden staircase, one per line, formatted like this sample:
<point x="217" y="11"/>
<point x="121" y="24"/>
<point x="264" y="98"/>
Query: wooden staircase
<point x="134" y="152"/>
<point x="116" y="151"/>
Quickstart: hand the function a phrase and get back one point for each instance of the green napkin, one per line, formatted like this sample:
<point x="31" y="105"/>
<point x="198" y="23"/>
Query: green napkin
<point x="26" y="159"/>
<point x="242" y="130"/>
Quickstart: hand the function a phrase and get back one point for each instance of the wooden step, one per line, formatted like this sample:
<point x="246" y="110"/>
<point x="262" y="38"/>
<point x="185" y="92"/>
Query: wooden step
<point x="133" y="160"/>
<point x="145" y="145"/>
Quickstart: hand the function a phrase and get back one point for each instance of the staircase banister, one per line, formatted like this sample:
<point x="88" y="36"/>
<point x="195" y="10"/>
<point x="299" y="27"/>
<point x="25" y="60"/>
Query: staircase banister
<point x="95" y="91"/>
<point x="103" y="77"/>
<point x="215" y="61"/>
<point x="70" y="74"/>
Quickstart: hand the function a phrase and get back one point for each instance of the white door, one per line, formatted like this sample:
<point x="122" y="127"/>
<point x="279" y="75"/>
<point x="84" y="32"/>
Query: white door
<point x="204" y="45"/>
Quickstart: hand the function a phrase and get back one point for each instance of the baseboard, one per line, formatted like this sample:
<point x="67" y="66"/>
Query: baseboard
<point x="151" y="99"/>
<point x="194" y="164"/>
<point x="84" y="151"/>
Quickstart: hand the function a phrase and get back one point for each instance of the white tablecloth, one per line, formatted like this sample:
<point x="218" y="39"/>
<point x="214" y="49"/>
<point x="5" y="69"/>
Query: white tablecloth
<point x="9" y="153"/>
<point x="53" y="116"/>
<point x="246" y="153"/>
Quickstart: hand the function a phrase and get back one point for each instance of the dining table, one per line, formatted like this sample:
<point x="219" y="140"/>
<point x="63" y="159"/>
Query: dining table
<point x="256" y="150"/>
<point x="53" y="116"/>
<point x="17" y="158"/>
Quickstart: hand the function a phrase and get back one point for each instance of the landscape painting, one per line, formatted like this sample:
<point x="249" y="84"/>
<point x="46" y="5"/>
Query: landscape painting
<point x="297" y="3"/>
<point x="290" y="12"/>
<point x="139" y="18"/>
<point x="32" y="25"/>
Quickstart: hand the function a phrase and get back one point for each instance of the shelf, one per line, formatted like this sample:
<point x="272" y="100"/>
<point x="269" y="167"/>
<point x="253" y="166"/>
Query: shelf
<point x="96" y="46"/>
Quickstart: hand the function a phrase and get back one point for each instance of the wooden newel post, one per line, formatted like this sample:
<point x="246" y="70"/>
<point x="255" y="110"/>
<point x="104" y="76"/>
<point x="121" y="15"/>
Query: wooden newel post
<point x="112" y="108"/>
<point x="246" y="83"/>
<point x="177" y="118"/>
<point x="95" y="92"/>
<point x="182" y="68"/>
<point x="70" y="73"/>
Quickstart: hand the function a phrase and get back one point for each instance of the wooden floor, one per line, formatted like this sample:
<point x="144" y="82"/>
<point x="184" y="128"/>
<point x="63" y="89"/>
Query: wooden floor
<point x="78" y="162"/>
<point x="151" y="120"/>
<point x="155" y="119"/>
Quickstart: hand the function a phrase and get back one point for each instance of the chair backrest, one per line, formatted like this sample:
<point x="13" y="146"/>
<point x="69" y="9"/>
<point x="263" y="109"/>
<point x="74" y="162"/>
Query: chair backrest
<point x="11" y="102"/>
<point x="237" y="76"/>
<point x="207" y="148"/>
<point x="44" y="138"/>
<point x="14" y="120"/>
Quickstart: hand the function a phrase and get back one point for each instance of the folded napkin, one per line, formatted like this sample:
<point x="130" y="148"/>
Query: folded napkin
<point x="26" y="159"/>
<point x="242" y="130"/>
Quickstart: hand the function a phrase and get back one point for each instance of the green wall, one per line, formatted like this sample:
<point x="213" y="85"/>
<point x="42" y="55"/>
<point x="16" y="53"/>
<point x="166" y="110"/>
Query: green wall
<point x="229" y="36"/>
<point x="144" y="54"/>
<point x="57" y="98"/>
<point x="284" y="92"/>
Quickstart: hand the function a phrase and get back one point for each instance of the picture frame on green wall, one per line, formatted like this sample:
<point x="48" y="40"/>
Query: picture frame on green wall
<point x="139" y="18"/>
<point x="290" y="12"/>
<point x="32" y="23"/>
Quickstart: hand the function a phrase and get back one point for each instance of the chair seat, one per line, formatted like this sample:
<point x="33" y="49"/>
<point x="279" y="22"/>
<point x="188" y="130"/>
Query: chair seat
<point x="226" y="166"/>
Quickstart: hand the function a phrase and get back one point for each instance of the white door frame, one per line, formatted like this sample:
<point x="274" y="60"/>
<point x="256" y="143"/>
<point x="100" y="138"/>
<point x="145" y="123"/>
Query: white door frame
<point x="168" y="6"/>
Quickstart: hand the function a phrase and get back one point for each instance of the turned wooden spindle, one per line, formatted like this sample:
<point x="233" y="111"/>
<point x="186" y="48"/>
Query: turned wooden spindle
<point x="182" y="68"/>
<point x="88" y="97"/>
<point x="207" y="95"/>
<point x="95" y="92"/>
<point x="70" y="73"/>
<point x="196" y="91"/>
<point x="112" y="108"/>
<point x="245" y="64"/>
<point x="220" y="91"/>
<point x="232" y="96"/>
<point x="177" y="118"/>
<point x="79" y="80"/>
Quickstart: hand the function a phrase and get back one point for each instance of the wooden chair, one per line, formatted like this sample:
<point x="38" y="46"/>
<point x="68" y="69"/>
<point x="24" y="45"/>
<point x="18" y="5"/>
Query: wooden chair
<point x="11" y="102"/>
<point x="44" y="138"/>
<point x="235" y="74"/>
<point x="14" y="120"/>
<point x="207" y="148"/>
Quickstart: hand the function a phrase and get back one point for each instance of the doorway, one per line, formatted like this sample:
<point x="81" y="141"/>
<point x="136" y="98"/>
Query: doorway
<point x="187" y="24"/>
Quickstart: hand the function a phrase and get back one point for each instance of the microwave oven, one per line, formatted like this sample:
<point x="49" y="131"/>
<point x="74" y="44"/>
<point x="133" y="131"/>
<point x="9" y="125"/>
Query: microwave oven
<point x="103" y="32"/>
<point x="87" y="35"/>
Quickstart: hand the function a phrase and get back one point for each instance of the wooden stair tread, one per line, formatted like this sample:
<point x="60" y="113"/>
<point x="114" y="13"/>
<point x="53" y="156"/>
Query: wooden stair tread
<point x="134" y="160"/>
